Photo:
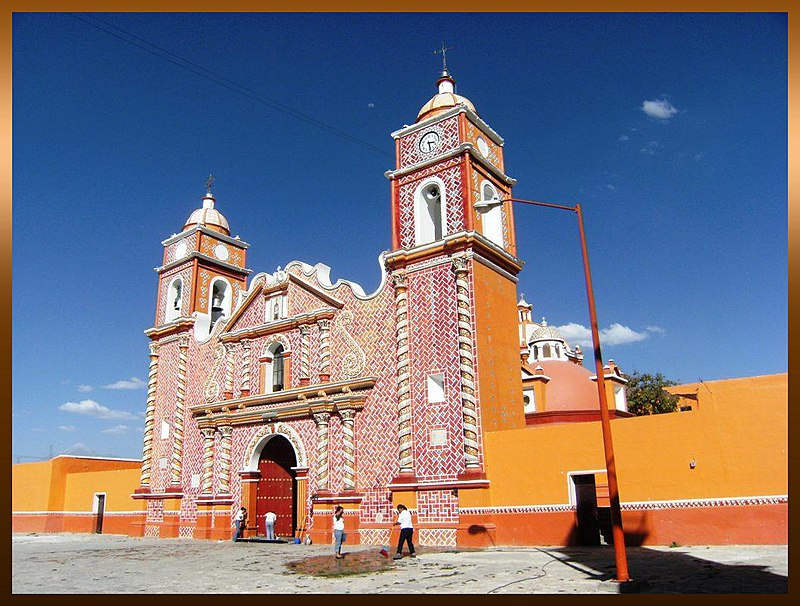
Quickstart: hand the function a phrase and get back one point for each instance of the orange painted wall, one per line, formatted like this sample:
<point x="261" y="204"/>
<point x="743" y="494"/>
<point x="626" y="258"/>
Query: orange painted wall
<point x="58" y="495"/>
<point x="497" y="340"/>
<point x="738" y="435"/>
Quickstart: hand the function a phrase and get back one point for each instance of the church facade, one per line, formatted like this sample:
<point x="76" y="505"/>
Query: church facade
<point x="293" y="394"/>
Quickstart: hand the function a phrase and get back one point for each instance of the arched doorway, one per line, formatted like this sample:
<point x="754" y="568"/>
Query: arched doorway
<point x="276" y="486"/>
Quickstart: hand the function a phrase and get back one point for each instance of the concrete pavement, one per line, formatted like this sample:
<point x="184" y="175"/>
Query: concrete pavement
<point x="85" y="563"/>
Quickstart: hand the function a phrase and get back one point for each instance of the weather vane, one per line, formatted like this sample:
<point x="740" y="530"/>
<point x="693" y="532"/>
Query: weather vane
<point x="209" y="181"/>
<point x="443" y="52"/>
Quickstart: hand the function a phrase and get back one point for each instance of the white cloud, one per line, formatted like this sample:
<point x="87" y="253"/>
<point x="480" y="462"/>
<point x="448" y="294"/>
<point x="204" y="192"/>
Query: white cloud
<point x="650" y="148"/>
<point x="659" y="108"/>
<point x="117" y="430"/>
<point x="615" y="334"/>
<point x="93" y="409"/>
<point x="655" y="329"/>
<point x="132" y="383"/>
<point x="611" y="187"/>
<point x="623" y="138"/>
<point x="78" y="449"/>
<point x="85" y="388"/>
<point x="66" y="428"/>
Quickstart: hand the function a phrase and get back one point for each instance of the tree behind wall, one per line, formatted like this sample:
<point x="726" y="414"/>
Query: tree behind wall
<point x="646" y="395"/>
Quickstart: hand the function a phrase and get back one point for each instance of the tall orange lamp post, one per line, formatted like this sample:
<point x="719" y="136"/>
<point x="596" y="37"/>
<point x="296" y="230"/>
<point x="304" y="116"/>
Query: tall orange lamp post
<point x="608" y="447"/>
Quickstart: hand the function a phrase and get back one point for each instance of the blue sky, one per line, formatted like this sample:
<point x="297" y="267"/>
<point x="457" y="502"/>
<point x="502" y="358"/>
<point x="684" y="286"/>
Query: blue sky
<point x="669" y="129"/>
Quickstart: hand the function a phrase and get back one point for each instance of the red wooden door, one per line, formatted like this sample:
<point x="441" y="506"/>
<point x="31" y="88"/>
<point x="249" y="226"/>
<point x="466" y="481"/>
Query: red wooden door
<point x="276" y="487"/>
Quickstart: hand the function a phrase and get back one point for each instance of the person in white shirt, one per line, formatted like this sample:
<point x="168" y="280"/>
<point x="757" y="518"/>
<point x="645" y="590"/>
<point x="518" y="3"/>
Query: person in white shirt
<point x="406" y="532"/>
<point x="240" y="520"/>
<point x="338" y="530"/>
<point x="269" y="521"/>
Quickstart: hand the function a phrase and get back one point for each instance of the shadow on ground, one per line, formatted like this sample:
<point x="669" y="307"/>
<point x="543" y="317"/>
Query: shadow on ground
<point x="659" y="571"/>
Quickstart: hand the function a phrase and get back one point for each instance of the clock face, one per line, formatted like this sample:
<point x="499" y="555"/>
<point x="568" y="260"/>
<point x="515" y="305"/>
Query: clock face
<point x="180" y="250"/>
<point x="429" y="142"/>
<point x="482" y="147"/>
<point x="220" y="252"/>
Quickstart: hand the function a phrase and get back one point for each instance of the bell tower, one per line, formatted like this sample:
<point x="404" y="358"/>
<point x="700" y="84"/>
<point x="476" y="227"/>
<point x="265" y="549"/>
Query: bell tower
<point x="202" y="273"/>
<point x="454" y="272"/>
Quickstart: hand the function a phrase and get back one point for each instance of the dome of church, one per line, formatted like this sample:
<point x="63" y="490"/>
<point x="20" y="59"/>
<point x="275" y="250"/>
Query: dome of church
<point x="209" y="216"/>
<point x="570" y="386"/>
<point x="445" y="99"/>
<point x="545" y="333"/>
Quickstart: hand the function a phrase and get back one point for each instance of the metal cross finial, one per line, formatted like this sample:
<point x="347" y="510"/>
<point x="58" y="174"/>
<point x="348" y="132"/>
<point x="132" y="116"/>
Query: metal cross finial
<point x="443" y="52"/>
<point x="209" y="181"/>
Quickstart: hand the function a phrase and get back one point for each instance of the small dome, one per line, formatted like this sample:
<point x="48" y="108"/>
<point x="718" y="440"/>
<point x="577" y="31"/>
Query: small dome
<point x="445" y="99"/>
<point x="209" y="216"/>
<point x="570" y="387"/>
<point x="545" y="333"/>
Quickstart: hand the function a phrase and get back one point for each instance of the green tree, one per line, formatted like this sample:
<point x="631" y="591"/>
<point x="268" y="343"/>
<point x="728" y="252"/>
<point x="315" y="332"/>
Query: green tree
<point x="646" y="395"/>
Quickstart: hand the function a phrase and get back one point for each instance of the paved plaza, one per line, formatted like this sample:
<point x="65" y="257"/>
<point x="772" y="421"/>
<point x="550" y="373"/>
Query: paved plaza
<point x="85" y="563"/>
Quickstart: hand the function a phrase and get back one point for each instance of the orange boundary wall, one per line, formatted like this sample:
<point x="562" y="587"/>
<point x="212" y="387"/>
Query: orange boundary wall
<point x="732" y="446"/>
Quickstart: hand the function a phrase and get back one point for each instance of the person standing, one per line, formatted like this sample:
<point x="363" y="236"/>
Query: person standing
<point x="338" y="531"/>
<point x="240" y="520"/>
<point x="269" y="522"/>
<point x="406" y="532"/>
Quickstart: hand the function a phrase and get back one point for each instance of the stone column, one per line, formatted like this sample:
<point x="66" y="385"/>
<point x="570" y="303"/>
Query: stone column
<point x="245" y="368"/>
<point x="403" y="373"/>
<point x="348" y="440"/>
<point x="225" y="459"/>
<point x="208" y="461"/>
<point x="228" y="371"/>
<point x="177" y="439"/>
<point x="466" y="363"/>
<point x="149" y="417"/>
<point x="305" y="378"/>
<point x="324" y="350"/>
<point x="321" y="419"/>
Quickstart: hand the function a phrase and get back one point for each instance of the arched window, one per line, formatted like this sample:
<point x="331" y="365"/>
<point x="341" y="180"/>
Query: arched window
<point x="277" y="369"/>
<point x="558" y="351"/>
<point x="429" y="213"/>
<point x="535" y="352"/>
<point x="492" y="219"/>
<point x="273" y="374"/>
<point x="221" y="296"/>
<point x="546" y="350"/>
<point x="174" y="299"/>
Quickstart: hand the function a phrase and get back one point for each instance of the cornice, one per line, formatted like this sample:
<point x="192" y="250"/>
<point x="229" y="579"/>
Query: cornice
<point x="463" y="148"/>
<point x="297" y="402"/>
<point x="482" y="251"/>
<point x="209" y="232"/>
<point x="276" y="326"/>
<point x="202" y="257"/>
<point x="165" y="330"/>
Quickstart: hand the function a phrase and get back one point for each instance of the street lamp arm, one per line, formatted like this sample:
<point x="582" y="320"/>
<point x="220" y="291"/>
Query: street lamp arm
<point x="539" y="203"/>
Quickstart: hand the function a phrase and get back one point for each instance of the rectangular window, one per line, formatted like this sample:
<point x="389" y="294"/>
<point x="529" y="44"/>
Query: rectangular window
<point x="436" y="387"/>
<point x="164" y="430"/>
<point x="438" y="437"/>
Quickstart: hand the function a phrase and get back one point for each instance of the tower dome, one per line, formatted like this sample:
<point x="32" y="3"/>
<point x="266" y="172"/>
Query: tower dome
<point x="209" y="216"/>
<point x="545" y="333"/>
<point x="444" y="99"/>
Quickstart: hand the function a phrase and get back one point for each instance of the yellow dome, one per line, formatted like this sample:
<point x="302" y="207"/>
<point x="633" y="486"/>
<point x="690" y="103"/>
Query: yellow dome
<point x="208" y="216"/>
<point x="444" y="99"/>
